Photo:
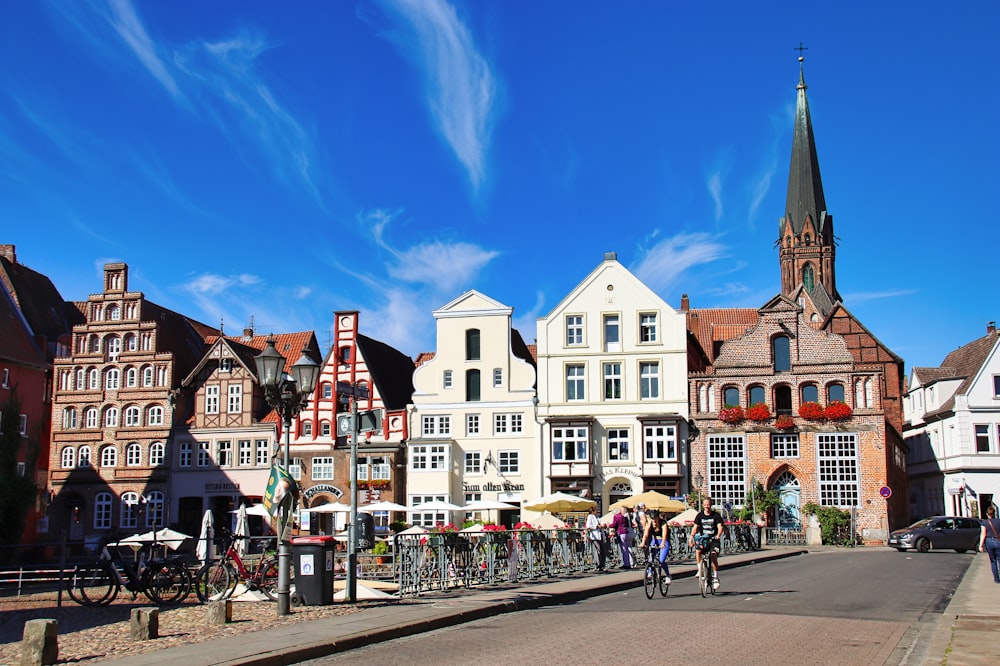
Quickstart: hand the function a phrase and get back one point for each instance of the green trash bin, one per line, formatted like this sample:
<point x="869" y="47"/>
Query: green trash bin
<point x="313" y="561"/>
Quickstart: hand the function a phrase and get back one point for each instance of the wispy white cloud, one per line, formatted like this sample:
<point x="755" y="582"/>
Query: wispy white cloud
<point x="861" y="297"/>
<point x="759" y="189"/>
<point x="714" y="186"/>
<point x="131" y="30"/>
<point x="664" y="263"/>
<point x="461" y="89"/>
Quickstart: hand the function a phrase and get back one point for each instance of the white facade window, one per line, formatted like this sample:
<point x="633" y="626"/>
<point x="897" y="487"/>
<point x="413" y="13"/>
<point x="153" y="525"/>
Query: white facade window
<point x="114" y="347"/>
<point x="618" y="448"/>
<point x="322" y="468"/>
<point x="132" y="417"/>
<point x="109" y="456"/>
<point x="575" y="382"/>
<point x="111" y="379"/>
<point x="647" y="327"/>
<point x="114" y="313"/>
<point x="157" y="453"/>
<point x="224" y="453"/>
<point x="436" y="424"/>
<point x="69" y="418"/>
<point x="996" y="386"/>
<point x="307" y="429"/>
<point x="246" y="453"/>
<point x="471" y="425"/>
<point x="111" y="417"/>
<point x="83" y="458"/>
<point x="497" y="377"/>
<point x="226" y="365"/>
<point x="324" y="428"/>
<point x="982" y="438"/>
<point x="130" y="343"/>
<point x="500" y="424"/>
<point x="446" y="380"/>
<point x="426" y="518"/>
<point x="161" y="376"/>
<point x="131" y="378"/>
<point x="204" y="454"/>
<point x="184" y="455"/>
<point x="649" y="380"/>
<point x="130" y="510"/>
<point x="147" y="376"/>
<point x="81" y="380"/>
<point x="574" y="330"/>
<point x="68" y="458"/>
<point x="155" y="415"/>
<point x="660" y="442"/>
<point x="380" y="468"/>
<point x="838" y="469"/>
<point x="102" y="511"/>
<point x="295" y="469"/>
<point x="235" y="398"/>
<point x="90" y="417"/>
<point x="93" y="379"/>
<point x="263" y="453"/>
<point x="473" y="462"/>
<point x="211" y="399"/>
<point x="154" y="509"/>
<point x="516" y="423"/>
<point x="429" y="457"/>
<point x="509" y="462"/>
<point x="612" y="333"/>
<point x="726" y="469"/>
<point x="570" y="444"/>
<point x="612" y="381"/>
<point x="133" y="455"/>
<point x="785" y="446"/>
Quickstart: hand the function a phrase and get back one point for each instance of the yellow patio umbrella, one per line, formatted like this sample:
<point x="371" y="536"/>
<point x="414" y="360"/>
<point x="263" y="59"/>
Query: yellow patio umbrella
<point x="652" y="500"/>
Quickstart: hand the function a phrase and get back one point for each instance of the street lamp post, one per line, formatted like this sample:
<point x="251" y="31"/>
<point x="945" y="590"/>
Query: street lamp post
<point x="698" y="480"/>
<point x="288" y="395"/>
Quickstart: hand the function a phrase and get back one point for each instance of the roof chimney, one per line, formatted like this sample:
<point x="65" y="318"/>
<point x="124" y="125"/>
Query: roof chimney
<point x="610" y="256"/>
<point x="991" y="327"/>
<point x="685" y="303"/>
<point x="8" y="253"/>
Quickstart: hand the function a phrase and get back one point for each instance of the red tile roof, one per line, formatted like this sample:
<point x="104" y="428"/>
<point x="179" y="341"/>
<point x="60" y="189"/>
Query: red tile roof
<point x="713" y="325"/>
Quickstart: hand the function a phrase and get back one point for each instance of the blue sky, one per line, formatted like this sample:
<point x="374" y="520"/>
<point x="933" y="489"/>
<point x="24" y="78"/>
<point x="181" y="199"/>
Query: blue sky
<point x="285" y="160"/>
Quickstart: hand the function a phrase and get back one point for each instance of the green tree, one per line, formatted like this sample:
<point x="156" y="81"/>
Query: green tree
<point x="758" y="500"/>
<point x="17" y="491"/>
<point x="835" y="524"/>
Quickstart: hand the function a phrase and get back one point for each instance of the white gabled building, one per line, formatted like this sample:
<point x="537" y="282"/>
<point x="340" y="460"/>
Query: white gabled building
<point x="612" y="389"/>
<point x="472" y="417"/>
<point x="952" y="430"/>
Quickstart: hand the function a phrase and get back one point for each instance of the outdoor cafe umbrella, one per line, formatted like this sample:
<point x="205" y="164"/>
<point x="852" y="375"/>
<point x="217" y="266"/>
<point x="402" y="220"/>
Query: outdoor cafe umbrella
<point x="255" y="510"/>
<point x="330" y="507"/>
<point x="434" y="505"/>
<point x="242" y="529"/>
<point x="685" y="516"/>
<point x="382" y="506"/>
<point x="206" y="535"/>
<point x="652" y="500"/>
<point x="560" y="503"/>
<point x="487" y="505"/>
<point x="165" y="536"/>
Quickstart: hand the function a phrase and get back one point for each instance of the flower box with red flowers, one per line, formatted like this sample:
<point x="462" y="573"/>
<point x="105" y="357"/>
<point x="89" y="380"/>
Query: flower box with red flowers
<point x="731" y="414"/>
<point x="785" y="422"/>
<point x="811" y="411"/>
<point x="759" y="412"/>
<point x="837" y="411"/>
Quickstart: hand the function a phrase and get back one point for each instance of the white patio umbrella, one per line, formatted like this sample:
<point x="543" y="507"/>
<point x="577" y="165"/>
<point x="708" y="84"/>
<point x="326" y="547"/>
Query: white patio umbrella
<point x="255" y="510"/>
<point x="205" y="537"/>
<point x="165" y="536"/>
<point x="382" y="506"/>
<point x="560" y="502"/>
<point x="330" y="507"/>
<point x="487" y="505"/>
<point x="547" y="521"/>
<point x="242" y="529"/>
<point x="684" y="517"/>
<point x="416" y="529"/>
<point x="434" y="505"/>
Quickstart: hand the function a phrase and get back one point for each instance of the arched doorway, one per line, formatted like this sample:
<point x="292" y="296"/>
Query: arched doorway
<point x="790" y="496"/>
<point x="617" y="492"/>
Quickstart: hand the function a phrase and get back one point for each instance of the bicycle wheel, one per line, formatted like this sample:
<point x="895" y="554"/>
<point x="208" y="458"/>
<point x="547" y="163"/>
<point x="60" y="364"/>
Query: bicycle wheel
<point x="706" y="574"/>
<point x="664" y="585"/>
<point x="268" y="583"/>
<point x="215" y="581"/>
<point x="167" y="583"/>
<point x="649" y="581"/>
<point x="94" y="585"/>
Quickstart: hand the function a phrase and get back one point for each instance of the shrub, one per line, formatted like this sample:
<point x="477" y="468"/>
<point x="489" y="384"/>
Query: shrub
<point x="759" y="412"/>
<point x="835" y="524"/>
<point x="837" y="411"/>
<point x="785" y="422"/>
<point x="731" y="414"/>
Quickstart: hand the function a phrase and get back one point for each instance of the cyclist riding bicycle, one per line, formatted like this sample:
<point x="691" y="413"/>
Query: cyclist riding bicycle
<point x="708" y="525"/>
<point x="657" y="536"/>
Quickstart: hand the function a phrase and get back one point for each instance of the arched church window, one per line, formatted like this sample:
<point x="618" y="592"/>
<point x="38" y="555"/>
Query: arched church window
<point x="808" y="277"/>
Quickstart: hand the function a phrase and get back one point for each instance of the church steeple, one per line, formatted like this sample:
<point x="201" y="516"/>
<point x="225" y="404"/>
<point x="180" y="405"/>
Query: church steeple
<point x="805" y="232"/>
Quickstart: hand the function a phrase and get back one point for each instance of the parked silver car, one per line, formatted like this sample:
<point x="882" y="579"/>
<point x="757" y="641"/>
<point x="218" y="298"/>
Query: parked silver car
<point x="955" y="532"/>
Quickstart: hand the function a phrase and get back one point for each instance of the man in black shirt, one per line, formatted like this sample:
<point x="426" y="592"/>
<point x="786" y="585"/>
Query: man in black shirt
<point x="709" y="523"/>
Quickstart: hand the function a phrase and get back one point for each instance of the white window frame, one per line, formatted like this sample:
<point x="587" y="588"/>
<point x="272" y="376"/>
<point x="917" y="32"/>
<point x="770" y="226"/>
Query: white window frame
<point x="576" y="382"/>
<point x="157" y="454"/>
<point x="224" y="453"/>
<point x="649" y="380"/>
<point x="839" y="469"/>
<point x="212" y="395"/>
<point x="109" y="456"/>
<point x="91" y="417"/>
<point x="322" y="468"/>
<point x="426" y="518"/>
<point x="235" y="403"/>
<point x="154" y="416"/>
<point x="472" y="425"/>
<point x="129" y="518"/>
<point x="473" y="463"/>
<point x="262" y="453"/>
<point x="68" y="457"/>
<point x="659" y="442"/>
<point x="577" y="437"/>
<point x="447" y="379"/>
<point x="497" y="377"/>
<point x="727" y="468"/>
<point x="102" y="511"/>
<point x="619" y="444"/>
<point x="132" y="416"/>
<point x="509" y="462"/>
<point x="649" y="328"/>
<point x="435" y="425"/>
<point x="133" y="455"/>
<point x="574" y="331"/>
<point x="612" y="378"/>
<point x="429" y="457"/>
<point x="245" y="452"/>
<point x="185" y="454"/>
<point x="155" y="505"/>
<point x="785" y="445"/>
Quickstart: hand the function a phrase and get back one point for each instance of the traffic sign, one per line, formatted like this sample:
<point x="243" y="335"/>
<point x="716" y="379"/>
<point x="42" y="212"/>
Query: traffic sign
<point x="885" y="491"/>
<point x="354" y="390"/>
<point x="370" y="420"/>
<point x="345" y="424"/>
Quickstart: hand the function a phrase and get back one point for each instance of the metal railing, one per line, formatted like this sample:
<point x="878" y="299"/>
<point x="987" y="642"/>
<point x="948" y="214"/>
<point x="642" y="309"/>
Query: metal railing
<point x="783" y="536"/>
<point x="441" y="562"/>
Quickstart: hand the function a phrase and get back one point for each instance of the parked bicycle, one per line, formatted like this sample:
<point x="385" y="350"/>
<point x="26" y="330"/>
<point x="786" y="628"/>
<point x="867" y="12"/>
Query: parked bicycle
<point x="218" y="579"/>
<point x="164" y="580"/>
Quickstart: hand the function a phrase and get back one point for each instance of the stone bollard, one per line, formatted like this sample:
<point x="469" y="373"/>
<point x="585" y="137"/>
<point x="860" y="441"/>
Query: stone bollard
<point x="220" y="612"/>
<point x="40" y="644"/>
<point x="144" y="624"/>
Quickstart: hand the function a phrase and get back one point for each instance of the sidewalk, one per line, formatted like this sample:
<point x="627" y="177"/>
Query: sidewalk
<point x="293" y="643"/>
<point x="968" y="632"/>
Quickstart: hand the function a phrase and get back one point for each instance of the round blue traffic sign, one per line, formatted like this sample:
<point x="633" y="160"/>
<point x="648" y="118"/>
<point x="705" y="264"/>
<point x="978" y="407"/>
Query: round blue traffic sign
<point x="885" y="491"/>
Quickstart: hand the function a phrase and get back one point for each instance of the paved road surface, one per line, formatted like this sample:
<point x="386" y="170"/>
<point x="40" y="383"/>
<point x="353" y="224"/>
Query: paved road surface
<point x="865" y="606"/>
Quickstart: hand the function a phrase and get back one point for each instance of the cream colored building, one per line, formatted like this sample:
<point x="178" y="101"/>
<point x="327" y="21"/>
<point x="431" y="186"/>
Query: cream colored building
<point x="472" y="418"/>
<point x="612" y="388"/>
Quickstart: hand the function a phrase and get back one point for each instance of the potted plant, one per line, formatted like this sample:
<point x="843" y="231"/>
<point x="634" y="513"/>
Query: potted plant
<point x="380" y="550"/>
<point x="811" y="411"/>
<point x="758" y="412"/>
<point x="837" y="411"/>
<point x="731" y="414"/>
<point x="785" y="422"/>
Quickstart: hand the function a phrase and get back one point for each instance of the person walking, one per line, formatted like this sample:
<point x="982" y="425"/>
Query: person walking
<point x="989" y="540"/>
<point x="595" y="534"/>
<point x="619" y="527"/>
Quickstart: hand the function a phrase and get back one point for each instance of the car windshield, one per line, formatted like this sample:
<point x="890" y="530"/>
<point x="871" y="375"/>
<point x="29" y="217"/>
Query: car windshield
<point x="921" y="523"/>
